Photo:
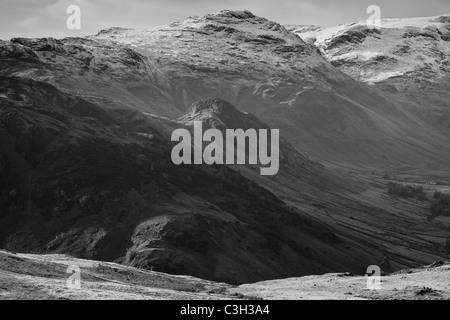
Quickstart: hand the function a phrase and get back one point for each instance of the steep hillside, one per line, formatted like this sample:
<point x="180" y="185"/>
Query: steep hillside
<point x="85" y="126"/>
<point x="297" y="169"/>
<point x="101" y="185"/>
<point x="45" y="277"/>
<point x="355" y="205"/>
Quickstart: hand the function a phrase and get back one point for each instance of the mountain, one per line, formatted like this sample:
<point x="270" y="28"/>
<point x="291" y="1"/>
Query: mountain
<point x="249" y="61"/>
<point x="85" y="144"/>
<point x="408" y="58"/>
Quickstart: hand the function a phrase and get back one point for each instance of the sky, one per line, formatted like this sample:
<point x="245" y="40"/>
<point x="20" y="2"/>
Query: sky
<point x="47" y="18"/>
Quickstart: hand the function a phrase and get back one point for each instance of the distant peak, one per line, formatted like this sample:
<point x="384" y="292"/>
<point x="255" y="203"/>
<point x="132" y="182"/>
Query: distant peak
<point x="236" y="14"/>
<point x="301" y="28"/>
<point x="224" y="15"/>
<point x="112" y="30"/>
<point x="445" y="18"/>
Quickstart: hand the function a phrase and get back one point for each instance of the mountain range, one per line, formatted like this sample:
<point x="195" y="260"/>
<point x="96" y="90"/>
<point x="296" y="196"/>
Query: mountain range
<point x="85" y="127"/>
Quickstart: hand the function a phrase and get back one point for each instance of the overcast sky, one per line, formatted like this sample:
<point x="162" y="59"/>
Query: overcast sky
<point x="45" y="18"/>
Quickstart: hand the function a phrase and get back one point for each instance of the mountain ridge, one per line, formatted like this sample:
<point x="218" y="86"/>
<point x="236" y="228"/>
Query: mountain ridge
<point x="246" y="60"/>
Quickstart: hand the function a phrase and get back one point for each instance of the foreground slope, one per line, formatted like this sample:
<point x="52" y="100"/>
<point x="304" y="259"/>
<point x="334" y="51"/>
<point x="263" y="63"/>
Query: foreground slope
<point x="427" y="283"/>
<point x="100" y="184"/>
<point x="45" y="277"/>
<point x="25" y="276"/>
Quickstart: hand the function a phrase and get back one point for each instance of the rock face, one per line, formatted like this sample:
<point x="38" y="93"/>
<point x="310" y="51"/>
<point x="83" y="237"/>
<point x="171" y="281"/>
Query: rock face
<point x="220" y="114"/>
<point x="407" y="57"/>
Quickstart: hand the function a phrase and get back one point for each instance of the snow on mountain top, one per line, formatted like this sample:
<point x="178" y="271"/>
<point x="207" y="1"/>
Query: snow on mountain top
<point x="411" y="46"/>
<point x="322" y="34"/>
<point x="225" y="41"/>
<point x="225" y="20"/>
<point x="419" y="22"/>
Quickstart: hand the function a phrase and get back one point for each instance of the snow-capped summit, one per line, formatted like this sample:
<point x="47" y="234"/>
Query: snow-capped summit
<point x="399" y="47"/>
<point x="408" y="57"/>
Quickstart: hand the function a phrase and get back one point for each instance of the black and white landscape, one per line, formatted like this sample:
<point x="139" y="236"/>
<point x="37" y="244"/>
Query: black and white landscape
<point x="86" y="176"/>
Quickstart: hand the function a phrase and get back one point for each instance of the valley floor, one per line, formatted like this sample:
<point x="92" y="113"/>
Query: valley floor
<point x="26" y="276"/>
